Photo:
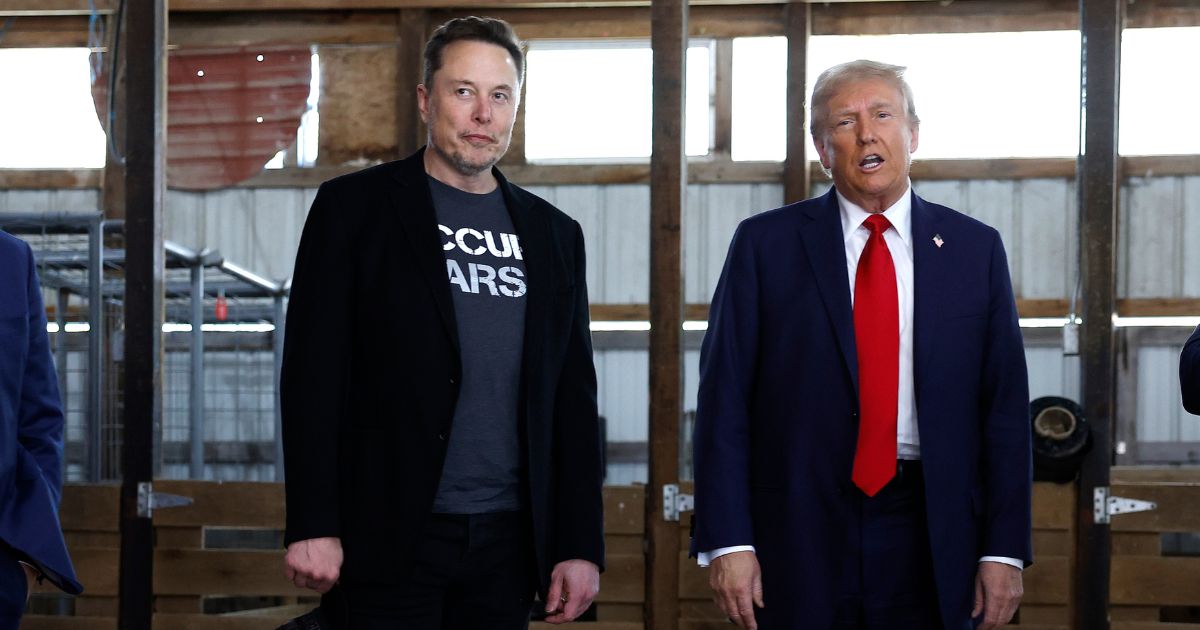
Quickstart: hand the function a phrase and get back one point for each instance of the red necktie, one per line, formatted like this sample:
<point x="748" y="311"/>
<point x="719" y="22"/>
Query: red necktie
<point x="877" y="337"/>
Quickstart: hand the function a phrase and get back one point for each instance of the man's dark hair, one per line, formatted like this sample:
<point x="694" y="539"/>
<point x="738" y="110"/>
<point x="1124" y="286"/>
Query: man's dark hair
<point x="477" y="29"/>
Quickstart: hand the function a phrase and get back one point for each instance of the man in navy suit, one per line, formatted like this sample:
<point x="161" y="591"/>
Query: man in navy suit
<point x="31" y="434"/>
<point x="1189" y="373"/>
<point x="862" y="440"/>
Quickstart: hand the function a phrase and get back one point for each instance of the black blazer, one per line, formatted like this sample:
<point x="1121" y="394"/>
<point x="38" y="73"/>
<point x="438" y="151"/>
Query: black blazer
<point x="371" y="370"/>
<point x="1189" y="373"/>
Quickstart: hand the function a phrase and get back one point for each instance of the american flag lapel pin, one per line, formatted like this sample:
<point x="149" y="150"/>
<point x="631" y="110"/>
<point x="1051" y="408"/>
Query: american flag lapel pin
<point x="937" y="240"/>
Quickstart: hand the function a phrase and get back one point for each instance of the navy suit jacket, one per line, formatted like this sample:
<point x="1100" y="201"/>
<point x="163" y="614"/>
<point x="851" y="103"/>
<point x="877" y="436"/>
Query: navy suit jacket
<point x="1189" y="373"/>
<point x="777" y="419"/>
<point x="31" y="422"/>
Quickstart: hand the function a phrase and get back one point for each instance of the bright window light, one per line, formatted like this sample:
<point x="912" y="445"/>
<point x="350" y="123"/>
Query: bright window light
<point x="47" y="116"/>
<point x="759" y="98"/>
<point x="592" y="100"/>
<point x="1154" y="78"/>
<point x="979" y="95"/>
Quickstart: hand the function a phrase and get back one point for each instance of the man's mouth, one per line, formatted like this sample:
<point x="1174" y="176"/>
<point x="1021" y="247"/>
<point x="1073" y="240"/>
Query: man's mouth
<point x="871" y="162"/>
<point x="478" y="139"/>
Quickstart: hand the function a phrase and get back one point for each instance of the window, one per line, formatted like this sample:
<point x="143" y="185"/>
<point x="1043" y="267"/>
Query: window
<point x="1158" y="87"/>
<point x="310" y="125"/>
<point x="978" y="94"/>
<point x="47" y="116"/>
<point x="592" y="100"/>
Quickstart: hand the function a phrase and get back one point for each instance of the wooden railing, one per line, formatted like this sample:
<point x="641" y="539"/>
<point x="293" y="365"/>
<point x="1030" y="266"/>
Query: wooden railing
<point x="191" y="573"/>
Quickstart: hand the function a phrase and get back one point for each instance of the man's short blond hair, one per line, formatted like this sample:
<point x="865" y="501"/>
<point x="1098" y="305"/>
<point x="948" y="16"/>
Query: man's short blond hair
<point x="852" y="71"/>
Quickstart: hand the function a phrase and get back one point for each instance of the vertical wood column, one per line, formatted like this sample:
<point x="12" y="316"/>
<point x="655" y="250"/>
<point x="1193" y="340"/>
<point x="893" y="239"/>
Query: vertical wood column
<point x="410" y="131"/>
<point x="144" y="118"/>
<point x="1101" y="22"/>
<point x="795" y="165"/>
<point x="668" y="188"/>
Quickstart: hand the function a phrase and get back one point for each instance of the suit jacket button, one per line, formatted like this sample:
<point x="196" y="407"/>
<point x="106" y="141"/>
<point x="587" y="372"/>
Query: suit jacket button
<point x="452" y="381"/>
<point x="442" y="437"/>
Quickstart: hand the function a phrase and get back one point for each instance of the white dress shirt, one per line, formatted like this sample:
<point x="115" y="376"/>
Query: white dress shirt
<point x="899" y="243"/>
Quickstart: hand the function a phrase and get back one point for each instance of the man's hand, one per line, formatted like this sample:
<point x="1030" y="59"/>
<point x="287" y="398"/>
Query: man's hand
<point x="573" y="586"/>
<point x="736" y="581"/>
<point x="998" y="592"/>
<point x="315" y="563"/>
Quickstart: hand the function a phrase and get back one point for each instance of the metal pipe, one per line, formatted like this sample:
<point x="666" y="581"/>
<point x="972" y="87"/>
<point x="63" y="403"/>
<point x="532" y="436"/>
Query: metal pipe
<point x="277" y="340"/>
<point x="95" y="361"/>
<point x="196" y="390"/>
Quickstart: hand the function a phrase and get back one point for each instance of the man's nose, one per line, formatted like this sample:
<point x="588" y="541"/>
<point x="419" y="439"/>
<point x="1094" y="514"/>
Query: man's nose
<point x="483" y="111"/>
<point x="866" y="132"/>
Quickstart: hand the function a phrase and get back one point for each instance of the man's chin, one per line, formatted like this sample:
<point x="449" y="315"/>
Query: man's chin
<point x="471" y="167"/>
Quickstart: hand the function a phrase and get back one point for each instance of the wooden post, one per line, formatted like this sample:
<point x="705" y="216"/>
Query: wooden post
<point x="145" y="170"/>
<point x="1101" y="22"/>
<point x="795" y="165"/>
<point x="723" y="103"/>
<point x="410" y="132"/>
<point x="668" y="185"/>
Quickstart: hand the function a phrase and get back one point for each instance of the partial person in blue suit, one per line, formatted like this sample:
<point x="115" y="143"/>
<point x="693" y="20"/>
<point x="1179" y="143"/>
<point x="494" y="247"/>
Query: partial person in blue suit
<point x="862" y="441"/>
<point x="31" y="441"/>
<point x="1189" y="373"/>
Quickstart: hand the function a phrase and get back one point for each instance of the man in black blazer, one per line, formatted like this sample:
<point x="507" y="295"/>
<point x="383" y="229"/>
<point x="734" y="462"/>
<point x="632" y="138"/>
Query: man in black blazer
<point x="1189" y="373"/>
<point x="440" y="429"/>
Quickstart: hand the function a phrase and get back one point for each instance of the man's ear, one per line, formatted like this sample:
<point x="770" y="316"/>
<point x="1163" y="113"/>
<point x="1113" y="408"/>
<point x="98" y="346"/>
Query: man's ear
<point x="826" y="159"/>
<point x="423" y="102"/>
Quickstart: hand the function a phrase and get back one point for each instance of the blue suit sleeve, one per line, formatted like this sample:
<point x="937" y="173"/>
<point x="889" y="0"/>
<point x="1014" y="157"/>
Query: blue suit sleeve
<point x="1007" y="449"/>
<point x="721" y="443"/>
<point x="40" y="419"/>
<point x="1189" y="373"/>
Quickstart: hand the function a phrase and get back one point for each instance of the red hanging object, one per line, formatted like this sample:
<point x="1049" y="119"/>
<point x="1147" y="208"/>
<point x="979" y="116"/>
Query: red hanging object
<point x="222" y="307"/>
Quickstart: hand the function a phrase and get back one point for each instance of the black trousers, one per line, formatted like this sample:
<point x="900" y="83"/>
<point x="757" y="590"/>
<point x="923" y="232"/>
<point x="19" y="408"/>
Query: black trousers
<point x="470" y="572"/>
<point x="887" y="575"/>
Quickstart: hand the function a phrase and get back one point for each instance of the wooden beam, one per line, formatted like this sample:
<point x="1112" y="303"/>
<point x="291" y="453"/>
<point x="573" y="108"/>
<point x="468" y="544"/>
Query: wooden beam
<point x="723" y="99"/>
<point x="715" y="170"/>
<point x="330" y="22"/>
<point x="886" y="18"/>
<point x="795" y="165"/>
<point x="411" y="24"/>
<point x="668" y="192"/>
<point x="283" y="28"/>
<point x="15" y="179"/>
<point x="1102" y="22"/>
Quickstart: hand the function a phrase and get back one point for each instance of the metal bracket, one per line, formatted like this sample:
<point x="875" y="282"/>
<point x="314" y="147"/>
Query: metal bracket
<point x="675" y="502"/>
<point x="149" y="500"/>
<point x="1104" y="506"/>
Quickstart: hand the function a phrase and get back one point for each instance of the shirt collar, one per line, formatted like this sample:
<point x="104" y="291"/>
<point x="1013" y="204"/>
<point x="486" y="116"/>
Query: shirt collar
<point x="899" y="214"/>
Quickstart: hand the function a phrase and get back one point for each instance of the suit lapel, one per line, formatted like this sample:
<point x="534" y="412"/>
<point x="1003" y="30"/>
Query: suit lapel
<point x="928" y="272"/>
<point x="825" y="246"/>
<point x="417" y="218"/>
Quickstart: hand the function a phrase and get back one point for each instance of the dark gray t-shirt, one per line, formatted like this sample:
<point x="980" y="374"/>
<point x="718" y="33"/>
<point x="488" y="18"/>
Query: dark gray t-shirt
<point x="487" y="281"/>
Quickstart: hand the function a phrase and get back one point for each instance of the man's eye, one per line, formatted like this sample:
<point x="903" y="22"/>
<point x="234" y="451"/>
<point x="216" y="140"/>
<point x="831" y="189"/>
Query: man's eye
<point x="500" y="96"/>
<point x="884" y="115"/>
<point x="462" y="92"/>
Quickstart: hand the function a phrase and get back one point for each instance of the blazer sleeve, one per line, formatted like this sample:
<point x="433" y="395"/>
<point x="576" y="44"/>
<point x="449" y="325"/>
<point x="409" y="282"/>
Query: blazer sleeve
<point x="316" y="370"/>
<point x="1189" y="373"/>
<point x="579" y="502"/>
<point x="1007" y="449"/>
<point x="40" y="423"/>
<point x="721" y="440"/>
